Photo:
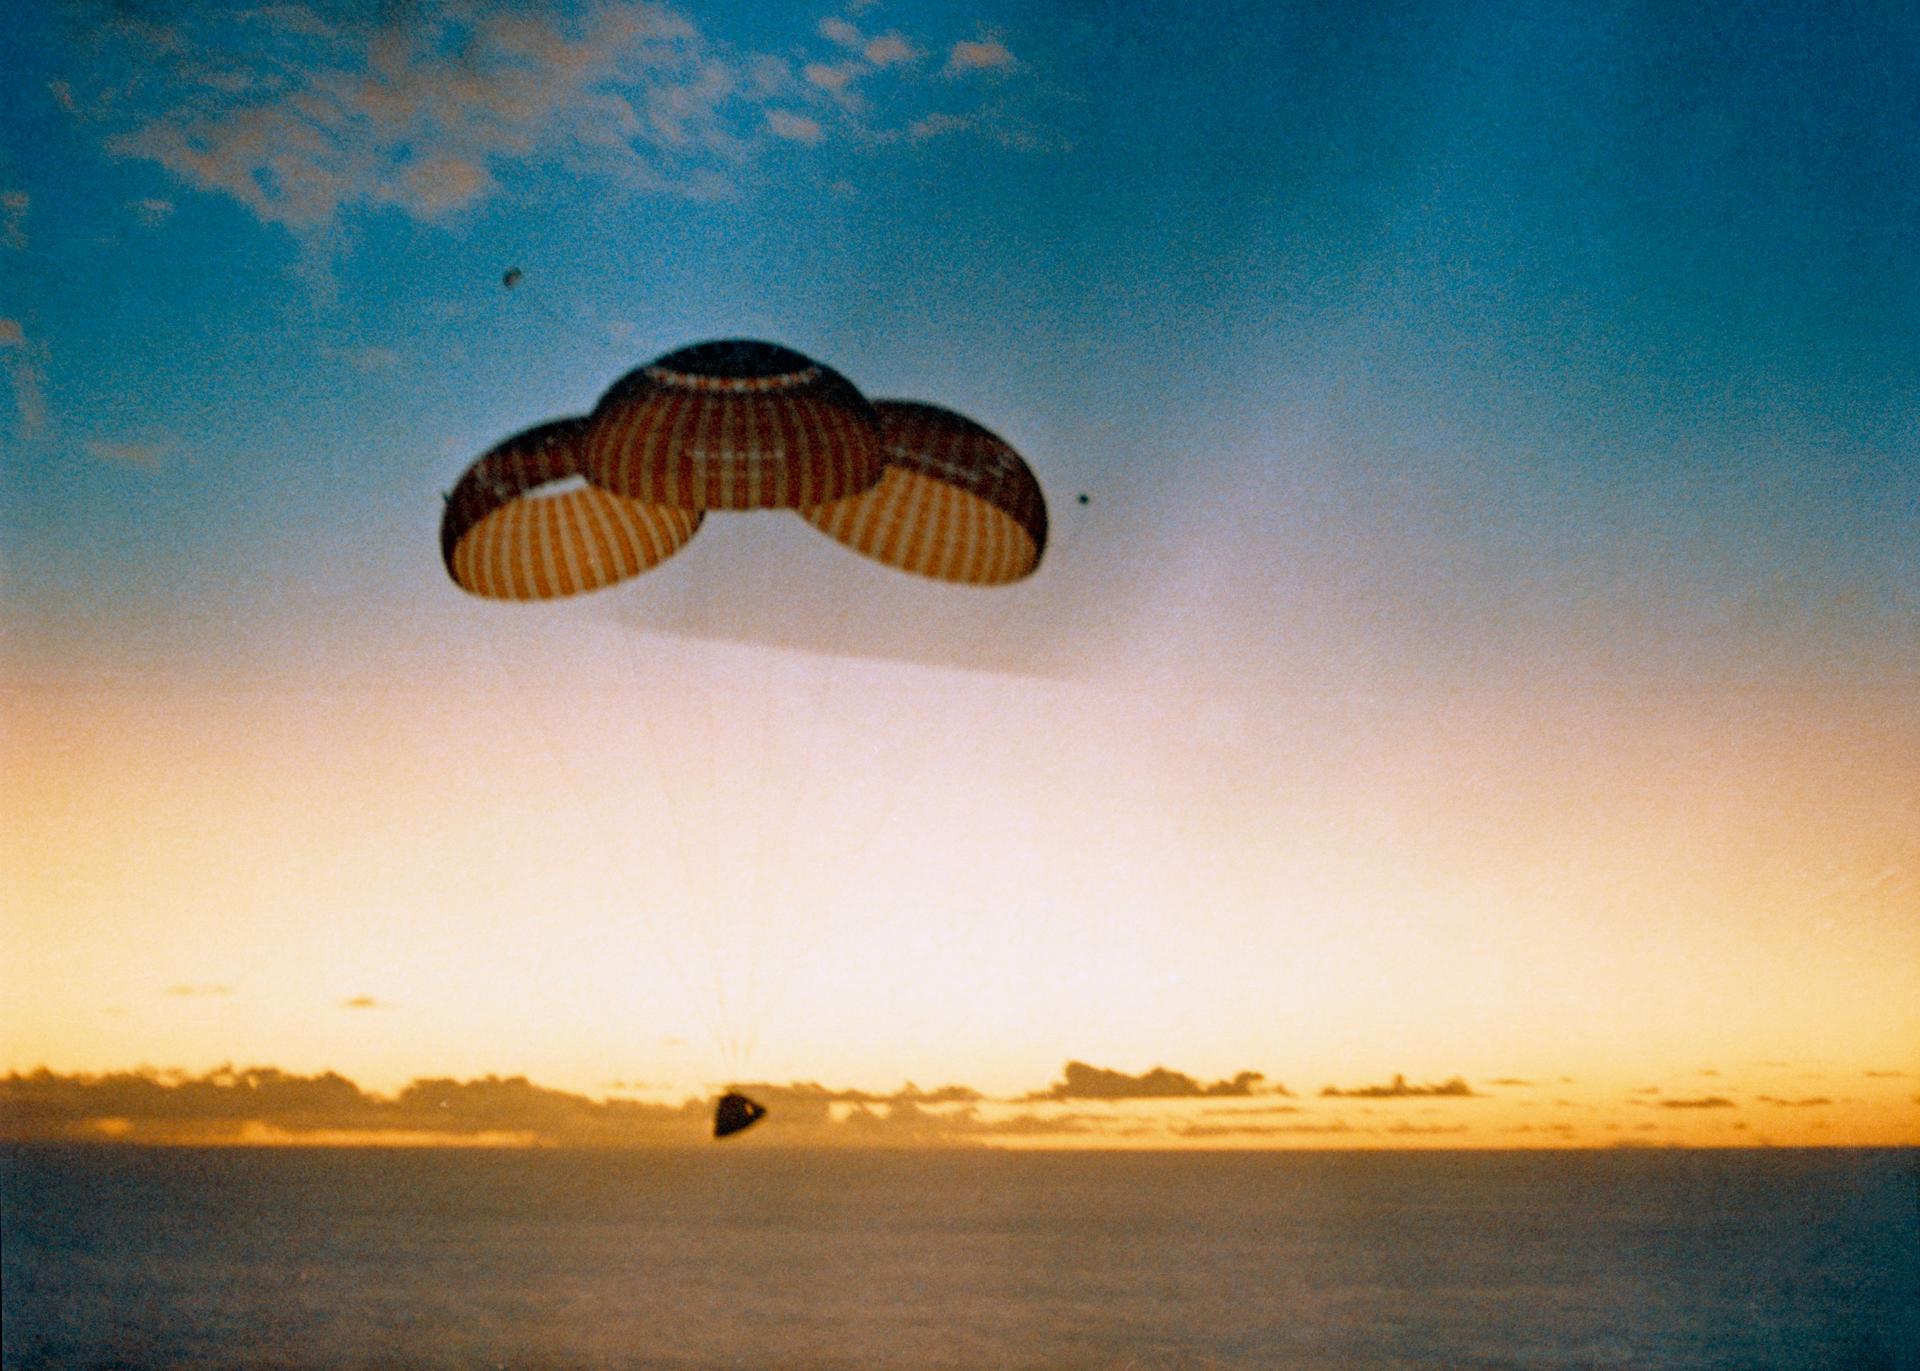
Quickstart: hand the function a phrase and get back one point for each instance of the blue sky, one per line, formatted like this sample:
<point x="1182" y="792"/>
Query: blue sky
<point x="1608" y="283"/>
<point x="1431" y="371"/>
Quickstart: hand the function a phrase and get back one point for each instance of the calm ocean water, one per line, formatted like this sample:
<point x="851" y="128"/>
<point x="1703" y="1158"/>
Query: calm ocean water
<point x="725" y="1257"/>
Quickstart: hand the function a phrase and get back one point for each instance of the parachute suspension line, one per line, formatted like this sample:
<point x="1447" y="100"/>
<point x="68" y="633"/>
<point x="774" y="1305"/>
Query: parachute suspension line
<point x="909" y="759"/>
<point x="611" y="840"/>
<point x="1074" y="524"/>
<point x="690" y="766"/>
<point x="708" y="1005"/>
<point x="714" y="774"/>
<point x="769" y="769"/>
<point x="513" y="283"/>
<point x="777" y="835"/>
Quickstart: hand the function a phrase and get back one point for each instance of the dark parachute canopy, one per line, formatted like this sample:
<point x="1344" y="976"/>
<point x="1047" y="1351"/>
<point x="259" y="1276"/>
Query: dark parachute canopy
<point x="734" y="424"/>
<point x="737" y="424"/>
<point x="955" y="502"/>
<point x="524" y="524"/>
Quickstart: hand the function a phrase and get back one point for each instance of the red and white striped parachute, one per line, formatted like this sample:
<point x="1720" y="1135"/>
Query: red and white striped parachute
<point x="581" y="504"/>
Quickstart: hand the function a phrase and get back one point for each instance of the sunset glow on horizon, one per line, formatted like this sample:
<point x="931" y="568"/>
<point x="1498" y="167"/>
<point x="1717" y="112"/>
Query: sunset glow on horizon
<point x="1488" y="650"/>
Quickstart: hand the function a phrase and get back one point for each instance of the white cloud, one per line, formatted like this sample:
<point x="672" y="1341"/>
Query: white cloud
<point x="766" y="77"/>
<point x="153" y="210"/>
<point x="419" y="110"/>
<point x="438" y="185"/>
<point x="890" y="49"/>
<point x="797" y="128"/>
<point x="934" y="125"/>
<point x="986" y="55"/>
<point x="841" y="32"/>
<point x="310" y="114"/>
<point x="833" y="76"/>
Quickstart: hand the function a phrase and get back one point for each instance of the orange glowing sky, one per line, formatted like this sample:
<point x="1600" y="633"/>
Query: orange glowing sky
<point x="1490" y="646"/>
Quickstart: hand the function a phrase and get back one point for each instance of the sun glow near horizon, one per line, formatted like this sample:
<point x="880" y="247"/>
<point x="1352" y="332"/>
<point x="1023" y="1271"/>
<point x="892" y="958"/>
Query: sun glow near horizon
<point x="1477" y="636"/>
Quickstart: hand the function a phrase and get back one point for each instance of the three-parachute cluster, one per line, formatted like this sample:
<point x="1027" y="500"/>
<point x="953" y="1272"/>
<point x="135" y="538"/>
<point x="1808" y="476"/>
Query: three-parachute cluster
<point x="576" y="504"/>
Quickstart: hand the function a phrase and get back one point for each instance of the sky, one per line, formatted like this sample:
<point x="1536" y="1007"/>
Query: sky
<point x="1488" y="649"/>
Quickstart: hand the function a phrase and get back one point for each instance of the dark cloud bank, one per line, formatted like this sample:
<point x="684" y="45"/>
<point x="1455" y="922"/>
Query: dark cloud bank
<point x="1078" y="1081"/>
<point x="262" y="1104"/>
<point x="1398" y="1089"/>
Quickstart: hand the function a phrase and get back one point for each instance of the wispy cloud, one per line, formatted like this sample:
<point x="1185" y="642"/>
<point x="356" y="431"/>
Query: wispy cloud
<point x="13" y="219"/>
<point x="1809" y="1102"/>
<point x="890" y="50"/>
<point x="364" y="358"/>
<point x="184" y="991"/>
<point x="25" y="361"/>
<point x="798" y="128"/>
<point x="1399" y="1089"/>
<point x="1259" y="1130"/>
<point x="831" y="76"/>
<point x="153" y="210"/>
<point x="413" y="109"/>
<point x="1702" y="1102"/>
<point x="882" y="50"/>
<point x="936" y="125"/>
<point x="840" y="31"/>
<point x="146" y="456"/>
<point x="364" y="1002"/>
<point x="1080" y="1081"/>
<point x="811" y="1092"/>
<point x="988" y="54"/>
<point x="424" y="108"/>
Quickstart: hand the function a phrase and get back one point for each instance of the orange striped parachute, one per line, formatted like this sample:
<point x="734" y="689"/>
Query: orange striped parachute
<point x="734" y="425"/>
<point x="740" y="732"/>
<point x="524" y="524"/>
<point x="580" y="504"/>
<point x="955" y="502"/>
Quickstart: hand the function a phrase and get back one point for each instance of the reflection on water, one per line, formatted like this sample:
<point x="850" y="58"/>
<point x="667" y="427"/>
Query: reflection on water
<point x="297" y="1258"/>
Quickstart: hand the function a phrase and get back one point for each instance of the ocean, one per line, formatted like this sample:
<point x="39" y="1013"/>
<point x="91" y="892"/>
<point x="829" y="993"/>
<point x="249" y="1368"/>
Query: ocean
<point x="845" y="1260"/>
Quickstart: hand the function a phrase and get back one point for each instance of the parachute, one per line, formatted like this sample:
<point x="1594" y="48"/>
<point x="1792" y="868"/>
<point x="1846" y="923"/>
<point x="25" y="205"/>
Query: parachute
<point x="588" y="503"/>
<point x="955" y="502"/>
<point x="523" y="524"/>
<point x="511" y="277"/>
<point x="734" y="424"/>
<point x="579" y="504"/>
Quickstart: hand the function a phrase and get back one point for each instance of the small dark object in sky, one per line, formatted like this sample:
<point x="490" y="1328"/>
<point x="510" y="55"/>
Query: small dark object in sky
<point x="510" y="278"/>
<point x="735" y="1112"/>
<point x="1084" y="497"/>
